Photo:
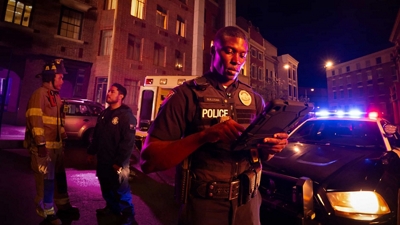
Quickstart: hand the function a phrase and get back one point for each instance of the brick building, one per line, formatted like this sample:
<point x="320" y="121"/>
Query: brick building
<point x="363" y="83"/>
<point x="107" y="41"/>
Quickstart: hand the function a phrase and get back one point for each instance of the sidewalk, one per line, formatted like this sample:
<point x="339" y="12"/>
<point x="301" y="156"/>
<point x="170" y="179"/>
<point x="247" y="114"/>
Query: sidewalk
<point x="11" y="136"/>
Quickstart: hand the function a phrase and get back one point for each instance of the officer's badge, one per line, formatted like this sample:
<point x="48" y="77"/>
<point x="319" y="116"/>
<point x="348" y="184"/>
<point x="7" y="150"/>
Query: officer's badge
<point x="114" y="121"/>
<point x="245" y="97"/>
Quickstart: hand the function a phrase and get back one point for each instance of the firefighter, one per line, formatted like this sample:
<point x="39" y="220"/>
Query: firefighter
<point x="194" y="129"/>
<point x="45" y="139"/>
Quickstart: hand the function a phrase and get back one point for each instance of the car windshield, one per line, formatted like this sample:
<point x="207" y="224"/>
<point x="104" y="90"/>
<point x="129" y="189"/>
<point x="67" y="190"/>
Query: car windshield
<point x="364" y="134"/>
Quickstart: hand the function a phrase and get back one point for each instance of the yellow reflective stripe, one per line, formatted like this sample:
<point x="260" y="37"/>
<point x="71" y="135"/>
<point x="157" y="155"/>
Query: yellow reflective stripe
<point x="53" y="144"/>
<point x="37" y="131"/>
<point x="34" y="112"/>
<point x="51" y="120"/>
<point x="61" y="201"/>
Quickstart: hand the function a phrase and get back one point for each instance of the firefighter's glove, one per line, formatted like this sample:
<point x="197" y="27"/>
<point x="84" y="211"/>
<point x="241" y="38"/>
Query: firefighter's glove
<point x="43" y="163"/>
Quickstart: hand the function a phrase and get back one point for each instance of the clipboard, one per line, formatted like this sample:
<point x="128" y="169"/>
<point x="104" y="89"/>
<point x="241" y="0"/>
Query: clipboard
<point x="278" y="116"/>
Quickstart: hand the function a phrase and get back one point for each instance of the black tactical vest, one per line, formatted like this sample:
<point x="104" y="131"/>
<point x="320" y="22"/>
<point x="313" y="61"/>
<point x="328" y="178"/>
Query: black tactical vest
<point x="214" y="161"/>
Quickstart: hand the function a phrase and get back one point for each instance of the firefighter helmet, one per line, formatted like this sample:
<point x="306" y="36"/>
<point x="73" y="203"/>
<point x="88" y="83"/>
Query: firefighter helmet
<point x="52" y="68"/>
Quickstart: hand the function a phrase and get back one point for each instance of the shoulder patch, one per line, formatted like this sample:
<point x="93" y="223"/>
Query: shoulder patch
<point x="168" y="96"/>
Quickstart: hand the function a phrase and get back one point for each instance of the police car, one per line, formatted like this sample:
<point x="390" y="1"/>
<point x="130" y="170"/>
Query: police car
<point x="338" y="168"/>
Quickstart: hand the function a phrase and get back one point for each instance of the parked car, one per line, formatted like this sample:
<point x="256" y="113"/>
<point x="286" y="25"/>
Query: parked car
<point x="80" y="118"/>
<point x="337" y="169"/>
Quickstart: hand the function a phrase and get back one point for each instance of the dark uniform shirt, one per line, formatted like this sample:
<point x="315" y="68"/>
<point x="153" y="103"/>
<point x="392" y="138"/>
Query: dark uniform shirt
<point x="114" y="136"/>
<point x="177" y="119"/>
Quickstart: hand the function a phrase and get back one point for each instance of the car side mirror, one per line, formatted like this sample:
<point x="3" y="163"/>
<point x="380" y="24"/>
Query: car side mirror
<point x="389" y="129"/>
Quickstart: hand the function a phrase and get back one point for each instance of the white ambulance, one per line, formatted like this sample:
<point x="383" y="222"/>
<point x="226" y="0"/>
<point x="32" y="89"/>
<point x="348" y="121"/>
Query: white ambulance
<point x="152" y="93"/>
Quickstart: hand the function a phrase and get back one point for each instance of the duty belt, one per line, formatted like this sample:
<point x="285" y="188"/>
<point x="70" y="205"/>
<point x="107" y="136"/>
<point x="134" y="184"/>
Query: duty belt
<point x="215" y="189"/>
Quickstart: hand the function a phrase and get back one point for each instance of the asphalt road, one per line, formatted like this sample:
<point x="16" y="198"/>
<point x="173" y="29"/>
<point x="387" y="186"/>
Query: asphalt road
<point x="152" y="194"/>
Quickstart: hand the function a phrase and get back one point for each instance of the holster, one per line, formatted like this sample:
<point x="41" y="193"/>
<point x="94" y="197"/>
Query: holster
<point x="250" y="181"/>
<point x="182" y="181"/>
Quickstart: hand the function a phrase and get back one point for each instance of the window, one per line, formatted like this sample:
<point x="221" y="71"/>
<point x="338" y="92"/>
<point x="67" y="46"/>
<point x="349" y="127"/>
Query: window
<point x="334" y="95"/>
<point x="137" y="8"/>
<point x="134" y="47"/>
<point x="18" y="13"/>
<point x="253" y="70"/>
<point x="159" y="55"/>
<point x="161" y="17"/>
<point x="71" y="23"/>
<point x="132" y="87"/>
<point x="378" y="60"/>
<point x="180" y="26"/>
<point x="101" y="90"/>
<point x="105" y="45"/>
<point x="379" y="73"/>
<point x="360" y="91"/>
<point x="260" y="74"/>
<point x="80" y="78"/>
<point x="348" y="78"/>
<point x="290" y="90"/>
<point x="333" y="73"/>
<point x="294" y="74"/>
<point x="369" y="75"/>
<point x="294" y="92"/>
<point x="359" y="78"/>
<point x="179" y="60"/>
<point x="214" y="22"/>
<point x="341" y="94"/>
<point x="394" y="75"/>
<point x="253" y="52"/>
<point x="333" y="83"/>
<point x="110" y="4"/>
<point x="260" y="55"/>
<point x="347" y="68"/>
<point x="350" y="92"/>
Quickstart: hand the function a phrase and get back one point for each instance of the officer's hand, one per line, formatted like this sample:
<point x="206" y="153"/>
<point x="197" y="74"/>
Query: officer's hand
<point x="42" y="151"/>
<point x="271" y="146"/>
<point x="90" y="158"/>
<point x="226" y="132"/>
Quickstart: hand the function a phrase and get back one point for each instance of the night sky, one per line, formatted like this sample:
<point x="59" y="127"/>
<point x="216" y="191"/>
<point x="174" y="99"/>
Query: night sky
<point x="314" y="31"/>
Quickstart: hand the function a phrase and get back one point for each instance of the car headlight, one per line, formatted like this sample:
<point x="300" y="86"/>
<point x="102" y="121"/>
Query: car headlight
<point x="358" y="205"/>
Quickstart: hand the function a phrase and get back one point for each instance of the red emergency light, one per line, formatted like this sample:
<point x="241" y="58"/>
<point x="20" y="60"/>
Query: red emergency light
<point x="149" y="81"/>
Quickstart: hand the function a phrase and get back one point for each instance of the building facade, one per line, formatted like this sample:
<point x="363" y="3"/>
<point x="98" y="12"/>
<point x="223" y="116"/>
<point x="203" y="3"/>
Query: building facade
<point x="395" y="88"/>
<point x="34" y="32"/>
<point x="363" y="83"/>
<point x="107" y="41"/>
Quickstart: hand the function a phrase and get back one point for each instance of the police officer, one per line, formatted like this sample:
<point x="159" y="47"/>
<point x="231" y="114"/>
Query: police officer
<point x="45" y="138"/>
<point x="196" y="125"/>
<point x="113" y="141"/>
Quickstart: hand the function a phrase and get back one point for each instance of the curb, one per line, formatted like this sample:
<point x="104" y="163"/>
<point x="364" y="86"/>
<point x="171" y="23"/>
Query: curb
<point x="11" y="144"/>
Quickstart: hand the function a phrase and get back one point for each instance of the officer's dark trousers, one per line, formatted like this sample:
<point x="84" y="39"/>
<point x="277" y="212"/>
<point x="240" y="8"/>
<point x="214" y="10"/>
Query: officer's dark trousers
<point x="115" y="188"/>
<point x="199" y="211"/>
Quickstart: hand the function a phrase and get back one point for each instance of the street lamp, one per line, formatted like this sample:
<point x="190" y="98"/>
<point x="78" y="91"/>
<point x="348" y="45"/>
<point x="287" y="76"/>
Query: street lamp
<point x="328" y="64"/>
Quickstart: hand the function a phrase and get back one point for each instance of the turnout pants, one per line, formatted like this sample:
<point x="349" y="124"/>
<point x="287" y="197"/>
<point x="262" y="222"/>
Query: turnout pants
<point x="52" y="185"/>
